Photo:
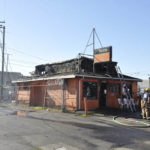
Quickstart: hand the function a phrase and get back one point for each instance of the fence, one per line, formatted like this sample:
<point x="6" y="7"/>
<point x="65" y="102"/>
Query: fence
<point x="43" y="95"/>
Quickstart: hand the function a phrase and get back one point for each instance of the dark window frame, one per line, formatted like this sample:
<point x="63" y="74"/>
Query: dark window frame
<point x="90" y="90"/>
<point x="113" y="88"/>
<point x="26" y="86"/>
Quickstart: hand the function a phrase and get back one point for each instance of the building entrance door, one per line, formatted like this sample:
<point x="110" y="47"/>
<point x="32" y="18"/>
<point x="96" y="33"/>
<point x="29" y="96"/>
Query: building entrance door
<point x="103" y="94"/>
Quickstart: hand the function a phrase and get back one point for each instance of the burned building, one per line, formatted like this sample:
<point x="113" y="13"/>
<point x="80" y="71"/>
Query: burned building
<point x="66" y="83"/>
<point x="81" y="65"/>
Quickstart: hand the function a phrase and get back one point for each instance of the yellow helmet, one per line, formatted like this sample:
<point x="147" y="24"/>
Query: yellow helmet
<point x="147" y="89"/>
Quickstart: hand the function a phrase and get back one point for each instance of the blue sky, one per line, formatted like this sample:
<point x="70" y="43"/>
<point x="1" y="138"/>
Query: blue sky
<point x="54" y="30"/>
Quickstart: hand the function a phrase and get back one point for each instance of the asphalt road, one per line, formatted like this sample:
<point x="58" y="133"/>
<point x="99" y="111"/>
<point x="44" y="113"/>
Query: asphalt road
<point x="43" y="130"/>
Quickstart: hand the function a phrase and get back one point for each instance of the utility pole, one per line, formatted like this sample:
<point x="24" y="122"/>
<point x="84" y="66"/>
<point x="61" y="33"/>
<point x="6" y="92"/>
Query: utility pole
<point x="3" y="52"/>
<point x="149" y="82"/>
<point x="7" y="73"/>
<point x="7" y="63"/>
<point x="93" y="49"/>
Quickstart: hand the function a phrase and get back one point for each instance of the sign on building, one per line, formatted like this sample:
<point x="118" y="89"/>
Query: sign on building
<point x="103" y="54"/>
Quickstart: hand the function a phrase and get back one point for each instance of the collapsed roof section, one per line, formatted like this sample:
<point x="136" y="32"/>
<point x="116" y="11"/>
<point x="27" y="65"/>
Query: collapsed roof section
<point x="80" y="65"/>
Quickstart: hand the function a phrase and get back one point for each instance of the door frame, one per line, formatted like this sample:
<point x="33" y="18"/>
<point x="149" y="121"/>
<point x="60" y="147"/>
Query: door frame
<point x="106" y="100"/>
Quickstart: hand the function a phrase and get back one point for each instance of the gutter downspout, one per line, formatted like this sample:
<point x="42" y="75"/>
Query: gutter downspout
<point x="80" y="92"/>
<point x="63" y="95"/>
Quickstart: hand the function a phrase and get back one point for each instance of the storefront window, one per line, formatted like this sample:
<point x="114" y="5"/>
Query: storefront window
<point x="112" y="89"/>
<point x="90" y="89"/>
<point x="129" y="88"/>
<point x="119" y="90"/>
<point x="26" y="86"/>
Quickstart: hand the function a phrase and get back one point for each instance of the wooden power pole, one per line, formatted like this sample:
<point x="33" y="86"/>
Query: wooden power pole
<point x="3" y="53"/>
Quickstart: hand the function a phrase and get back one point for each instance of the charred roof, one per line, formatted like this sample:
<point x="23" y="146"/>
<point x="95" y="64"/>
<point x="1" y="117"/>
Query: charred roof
<point x="80" y="66"/>
<point x="77" y="65"/>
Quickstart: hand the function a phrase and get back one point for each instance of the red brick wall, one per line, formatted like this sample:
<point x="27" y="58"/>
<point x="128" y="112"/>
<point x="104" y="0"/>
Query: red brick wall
<point x="37" y="93"/>
<point x="71" y="94"/>
<point x="134" y="90"/>
<point x="112" y="99"/>
<point x="54" y="93"/>
<point x="23" y="96"/>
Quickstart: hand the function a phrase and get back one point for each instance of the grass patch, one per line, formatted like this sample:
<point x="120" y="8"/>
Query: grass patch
<point x="37" y="108"/>
<point x="54" y="109"/>
<point x="20" y="104"/>
<point x="70" y="111"/>
<point x="38" y="148"/>
<point x="12" y="104"/>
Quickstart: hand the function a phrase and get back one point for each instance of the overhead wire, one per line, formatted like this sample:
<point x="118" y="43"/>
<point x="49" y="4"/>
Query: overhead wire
<point x="21" y="52"/>
<point x="22" y="61"/>
<point x="22" y="65"/>
<point x="39" y="58"/>
<point x="5" y="9"/>
<point x="10" y="66"/>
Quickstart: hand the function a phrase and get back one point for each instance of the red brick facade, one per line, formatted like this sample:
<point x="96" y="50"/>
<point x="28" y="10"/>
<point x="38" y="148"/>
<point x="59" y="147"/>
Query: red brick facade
<point x="52" y="93"/>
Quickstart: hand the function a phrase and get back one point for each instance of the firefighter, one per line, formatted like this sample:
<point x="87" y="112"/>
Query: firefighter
<point x="144" y="104"/>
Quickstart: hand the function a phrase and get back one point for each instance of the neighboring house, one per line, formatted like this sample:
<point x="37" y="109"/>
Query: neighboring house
<point x="144" y="84"/>
<point x="8" y="78"/>
<point x="65" y="84"/>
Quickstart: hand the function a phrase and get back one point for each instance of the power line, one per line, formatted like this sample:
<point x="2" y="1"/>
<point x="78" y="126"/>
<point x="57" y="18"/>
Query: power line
<point x="22" y="61"/>
<point x="22" y="65"/>
<point x="139" y="72"/>
<point x="6" y="65"/>
<point x="18" y="60"/>
<point x="23" y="53"/>
<point x="10" y="66"/>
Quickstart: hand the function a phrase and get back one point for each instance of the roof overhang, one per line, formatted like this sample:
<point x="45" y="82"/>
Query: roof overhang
<point x="74" y="76"/>
<point x="48" y="78"/>
<point x="109" y="77"/>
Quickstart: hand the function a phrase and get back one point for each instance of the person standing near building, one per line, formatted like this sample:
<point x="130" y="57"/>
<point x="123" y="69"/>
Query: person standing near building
<point x="144" y="104"/>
